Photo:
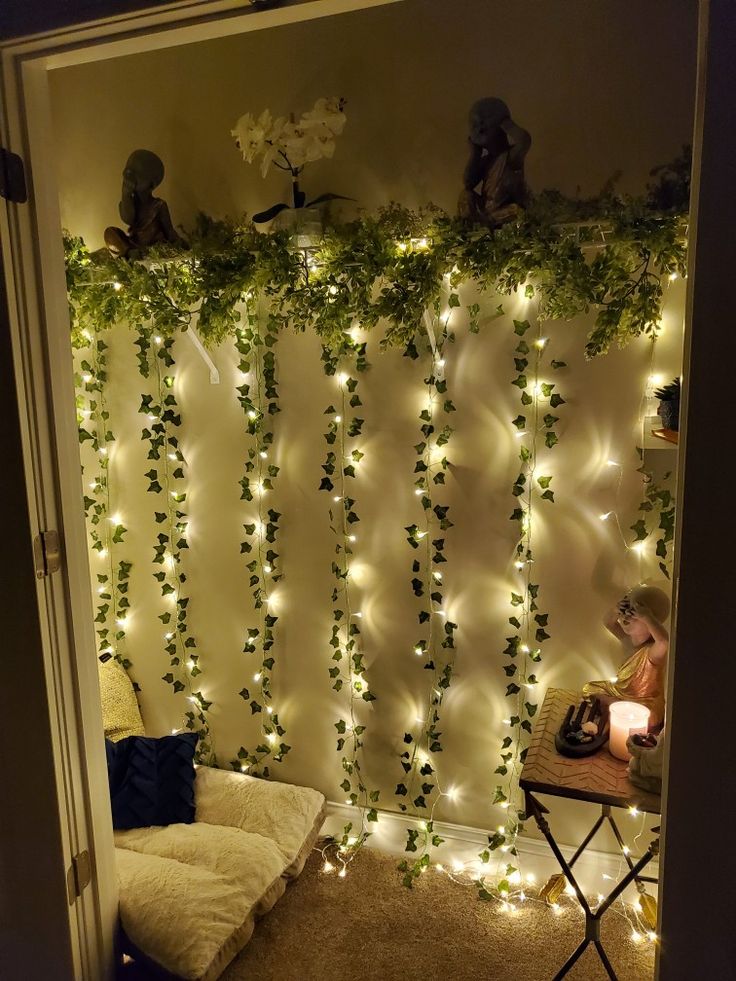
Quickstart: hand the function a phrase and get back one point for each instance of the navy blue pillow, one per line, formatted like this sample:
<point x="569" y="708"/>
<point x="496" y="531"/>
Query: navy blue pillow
<point x="151" y="780"/>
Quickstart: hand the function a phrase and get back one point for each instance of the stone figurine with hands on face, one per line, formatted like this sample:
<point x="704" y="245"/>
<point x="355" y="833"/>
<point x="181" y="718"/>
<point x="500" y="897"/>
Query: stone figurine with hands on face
<point x="494" y="188"/>
<point x="146" y="216"/>
<point x="637" y="622"/>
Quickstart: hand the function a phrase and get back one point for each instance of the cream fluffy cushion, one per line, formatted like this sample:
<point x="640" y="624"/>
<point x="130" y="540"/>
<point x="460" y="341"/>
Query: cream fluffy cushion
<point x="190" y="893"/>
<point x="121" y="716"/>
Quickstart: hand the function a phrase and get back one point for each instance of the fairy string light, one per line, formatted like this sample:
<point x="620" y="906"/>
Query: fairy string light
<point x="534" y="427"/>
<point x="255" y="342"/>
<point x="106" y="527"/>
<point x="167" y="478"/>
<point x="344" y="439"/>
<point x="420" y="790"/>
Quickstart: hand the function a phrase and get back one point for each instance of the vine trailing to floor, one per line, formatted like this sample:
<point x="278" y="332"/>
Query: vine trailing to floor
<point x="106" y="528"/>
<point x="341" y="466"/>
<point x="259" y="399"/>
<point x="166" y="478"/>
<point x="436" y="645"/>
<point x="523" y="648"/>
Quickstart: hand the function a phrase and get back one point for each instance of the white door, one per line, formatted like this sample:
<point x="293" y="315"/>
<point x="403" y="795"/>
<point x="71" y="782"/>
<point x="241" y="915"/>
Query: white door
<point x="59" y="787"/>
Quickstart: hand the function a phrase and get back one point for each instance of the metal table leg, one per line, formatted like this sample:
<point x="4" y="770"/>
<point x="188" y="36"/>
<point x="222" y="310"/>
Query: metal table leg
<point x="592" y="920"/>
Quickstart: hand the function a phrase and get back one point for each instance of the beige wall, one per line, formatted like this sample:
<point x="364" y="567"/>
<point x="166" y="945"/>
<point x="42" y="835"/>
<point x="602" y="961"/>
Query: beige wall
<point x="601" y="86"/>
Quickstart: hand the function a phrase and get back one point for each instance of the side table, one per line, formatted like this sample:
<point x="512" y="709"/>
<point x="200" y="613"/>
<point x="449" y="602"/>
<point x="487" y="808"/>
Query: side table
<point x="598" y="779"/>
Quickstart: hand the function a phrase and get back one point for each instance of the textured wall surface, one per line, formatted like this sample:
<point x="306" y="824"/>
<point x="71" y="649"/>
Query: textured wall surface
<point x="602" y="87"/>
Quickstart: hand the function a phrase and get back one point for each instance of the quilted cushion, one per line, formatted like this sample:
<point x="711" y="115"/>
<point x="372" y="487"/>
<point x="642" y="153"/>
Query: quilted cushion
<point x="151" y="780"/>
<point x="189" y="894"/>
<point x="121" y="716"/>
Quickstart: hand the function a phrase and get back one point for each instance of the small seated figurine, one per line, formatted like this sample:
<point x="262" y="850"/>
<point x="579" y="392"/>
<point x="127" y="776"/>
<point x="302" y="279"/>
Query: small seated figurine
<point x="147" y="217"/>
<point x="494" y="185"/>
<point x="637" y="623"/>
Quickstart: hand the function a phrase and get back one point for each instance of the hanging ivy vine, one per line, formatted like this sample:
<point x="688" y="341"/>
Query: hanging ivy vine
<point x="419" y="791"/>
<point x="656" y="519"/>
<point x="347" y="673"/>
<point x="259" y="399"/>
<point x="106" y="528"/>
<point x="166" y="479"/>
<point x="534" y="425"/>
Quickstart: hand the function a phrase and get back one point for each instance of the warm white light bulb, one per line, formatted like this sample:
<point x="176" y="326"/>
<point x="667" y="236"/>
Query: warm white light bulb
<point x="606" y="516"/>
<point x="342" y="378"/>
<point x="338" y="418"/>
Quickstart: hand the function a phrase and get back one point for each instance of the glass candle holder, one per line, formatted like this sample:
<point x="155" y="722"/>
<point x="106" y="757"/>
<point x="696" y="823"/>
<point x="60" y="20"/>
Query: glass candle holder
<point x="627" y="718"/>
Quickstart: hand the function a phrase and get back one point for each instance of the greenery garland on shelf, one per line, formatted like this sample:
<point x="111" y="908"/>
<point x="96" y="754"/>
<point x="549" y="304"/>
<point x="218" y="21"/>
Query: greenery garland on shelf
<point x="255" y="342"/>
<point x="606" y="256"/>
<point x="436" y="645"/>
<point x="106" y="528"/>
<point x="348" y="667"/>
<point x="535" y="424"/>
<point x="166" y="477"/>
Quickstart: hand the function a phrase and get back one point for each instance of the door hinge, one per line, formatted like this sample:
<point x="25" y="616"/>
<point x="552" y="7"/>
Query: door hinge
<point x="78" y="876"/>
<point x="12" y="177"/>
<point x="46" y="553"/>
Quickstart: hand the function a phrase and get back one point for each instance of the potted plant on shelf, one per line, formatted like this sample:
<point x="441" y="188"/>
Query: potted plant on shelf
<point x="669" y="405"/>
<point x="289" y="145"/>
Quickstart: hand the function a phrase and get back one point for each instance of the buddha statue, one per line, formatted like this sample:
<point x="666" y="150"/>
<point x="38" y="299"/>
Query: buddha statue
<point x="494" y="189"/>
<point x="637" y="623"/>
<point x="147" y="217"/>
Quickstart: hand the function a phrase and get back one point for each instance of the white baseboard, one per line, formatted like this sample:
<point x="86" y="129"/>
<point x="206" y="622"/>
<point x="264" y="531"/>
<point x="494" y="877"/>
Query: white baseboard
<point x="595" y="870"/>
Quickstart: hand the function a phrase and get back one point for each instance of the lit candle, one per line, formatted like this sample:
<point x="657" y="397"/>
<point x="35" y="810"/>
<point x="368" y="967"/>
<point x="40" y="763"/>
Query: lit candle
<point x="626" y="719"/>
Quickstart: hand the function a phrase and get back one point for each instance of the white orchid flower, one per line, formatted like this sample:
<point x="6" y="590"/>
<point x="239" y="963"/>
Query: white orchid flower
<point x="290" y="144"/>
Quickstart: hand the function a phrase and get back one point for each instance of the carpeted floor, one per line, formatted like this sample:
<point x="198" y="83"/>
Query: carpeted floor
<point x="368" y="927"/>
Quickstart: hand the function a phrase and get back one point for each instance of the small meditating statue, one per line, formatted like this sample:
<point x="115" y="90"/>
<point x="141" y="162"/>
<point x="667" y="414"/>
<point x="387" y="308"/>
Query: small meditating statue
<point x="637" y="622"/>
<point x="147" y="217"/>
<point x="494" y="186"/>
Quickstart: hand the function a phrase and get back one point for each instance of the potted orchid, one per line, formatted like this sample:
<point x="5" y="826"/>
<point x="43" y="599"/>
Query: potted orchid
<point x="289" y="145"/>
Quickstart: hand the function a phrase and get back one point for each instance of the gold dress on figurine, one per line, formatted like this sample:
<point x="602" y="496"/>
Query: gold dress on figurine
<point x="638" y="680"/>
